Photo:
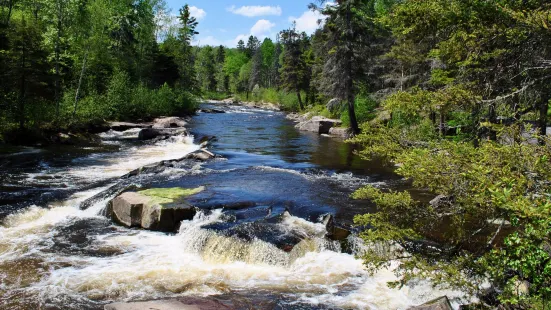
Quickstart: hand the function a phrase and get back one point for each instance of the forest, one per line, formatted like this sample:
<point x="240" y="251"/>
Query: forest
<point x="452" y="93"/>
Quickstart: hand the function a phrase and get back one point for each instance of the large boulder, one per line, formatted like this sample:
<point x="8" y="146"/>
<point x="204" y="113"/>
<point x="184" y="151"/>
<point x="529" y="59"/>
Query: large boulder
<point x="341" y="132"/>
<point x="441" y="303"/>
<point x="318" y="124"/>
<point x="333" y="105"/>
<point x="334" y="231"/>
<point x="127" y="208"/>
<point x="169" y="122"/>
<point x="160" y="209"/>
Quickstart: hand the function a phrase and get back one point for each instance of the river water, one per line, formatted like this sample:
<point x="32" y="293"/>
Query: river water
<point x="53" y="255"/>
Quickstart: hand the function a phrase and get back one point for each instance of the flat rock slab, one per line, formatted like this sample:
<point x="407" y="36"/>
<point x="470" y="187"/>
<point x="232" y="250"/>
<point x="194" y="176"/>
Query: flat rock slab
<point x="441" y="303"/>
<point x="122" y="126"/>
<point x="184" y="304"/>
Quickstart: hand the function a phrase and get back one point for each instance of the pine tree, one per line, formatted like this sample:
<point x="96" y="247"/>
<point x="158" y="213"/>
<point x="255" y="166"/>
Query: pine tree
<point x="252" y="45"/>
<point x="186" y="58"/>
<point x="241" y="46"/>
<point x="348" y="31"/>
<point x="293" y="71"/>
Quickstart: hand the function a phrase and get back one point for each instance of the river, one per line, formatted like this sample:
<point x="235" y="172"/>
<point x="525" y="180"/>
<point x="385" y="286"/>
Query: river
<point x="53" y="255"/>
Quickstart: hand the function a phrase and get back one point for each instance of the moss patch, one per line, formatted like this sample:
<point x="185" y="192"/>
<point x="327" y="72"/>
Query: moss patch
<point x="170" y="195"/>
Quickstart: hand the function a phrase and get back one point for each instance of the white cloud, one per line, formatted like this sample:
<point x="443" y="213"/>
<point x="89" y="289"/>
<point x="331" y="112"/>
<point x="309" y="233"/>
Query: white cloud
<point x="197" y="12"/>
<point x="262" y="28"/>
<point x="256" y="10"/>
<point x="308" y="21"/>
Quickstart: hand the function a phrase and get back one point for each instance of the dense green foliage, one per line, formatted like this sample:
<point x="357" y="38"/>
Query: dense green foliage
<point x="462" y="114"/>
<point x="72" y="62"/>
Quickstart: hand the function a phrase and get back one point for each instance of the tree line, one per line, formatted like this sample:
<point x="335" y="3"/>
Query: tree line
<point x="65" y="62"/>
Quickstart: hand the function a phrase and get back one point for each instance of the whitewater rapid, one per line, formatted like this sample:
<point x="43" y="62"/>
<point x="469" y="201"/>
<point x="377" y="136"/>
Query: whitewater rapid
<point x="62" y="256"/>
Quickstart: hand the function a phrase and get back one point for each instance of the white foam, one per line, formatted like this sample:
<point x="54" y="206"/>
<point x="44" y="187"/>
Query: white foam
<point x="99" y="167"/>
<point x="199" y="262"/>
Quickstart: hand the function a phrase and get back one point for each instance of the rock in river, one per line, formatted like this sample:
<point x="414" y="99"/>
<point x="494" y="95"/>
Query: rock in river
<point x="187" y="303"/>
<point x="122" y="126"/>
<point x="441" y="303"/>
<point x="341" y="132"/>
<point x="318" y="124"/>
<point x="159" y="209"/>
<point x="169" y="122"/>
<point x="152" y="133"/>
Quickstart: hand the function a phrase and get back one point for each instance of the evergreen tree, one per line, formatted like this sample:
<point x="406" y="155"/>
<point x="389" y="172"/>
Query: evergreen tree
<point x="241" y="46"/>
<point x="252" y="45"/>
<point x="186" y="58"/>
<point x="255" y="79"/>
<point x="348" y="31"/>
<point x="293" y="71"/>
<point x="206" y="68"/>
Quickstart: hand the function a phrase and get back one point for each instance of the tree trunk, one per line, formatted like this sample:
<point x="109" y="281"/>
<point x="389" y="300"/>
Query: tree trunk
<point x="22" y="88"/>
<point x="10" y="9"/>
<point x="544" y="106"/>
<point x="57" y="52"/>
<point x="80" y="83"/>
<point x="349" y="83"/>
<point x="433" y="118"/>
<point x="301" y="106"/>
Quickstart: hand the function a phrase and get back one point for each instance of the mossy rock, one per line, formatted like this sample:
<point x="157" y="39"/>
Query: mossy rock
<point x="170" y="195"/>
<point x="159" y="209"/>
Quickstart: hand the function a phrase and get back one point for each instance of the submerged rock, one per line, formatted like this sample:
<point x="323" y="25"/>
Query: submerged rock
<point x="160" y="209"/>
<point x="441" y="303"/>
<point x="215" y="111"/>
<point x="318" y="124"/>
<point x="122" y="126"/>
<point x="201" y="155"/>
<point x="152" y="133"/>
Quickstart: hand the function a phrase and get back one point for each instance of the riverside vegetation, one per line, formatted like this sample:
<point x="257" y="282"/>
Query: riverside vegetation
<point x="455" y="93"/>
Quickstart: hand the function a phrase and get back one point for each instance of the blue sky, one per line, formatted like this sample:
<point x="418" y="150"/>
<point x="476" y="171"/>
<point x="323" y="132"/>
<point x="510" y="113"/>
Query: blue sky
<point x="225" y="22"/>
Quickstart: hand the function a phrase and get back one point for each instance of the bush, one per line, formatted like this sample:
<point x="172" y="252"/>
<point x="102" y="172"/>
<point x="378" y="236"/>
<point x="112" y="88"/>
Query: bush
<point x="495" y="224"/>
